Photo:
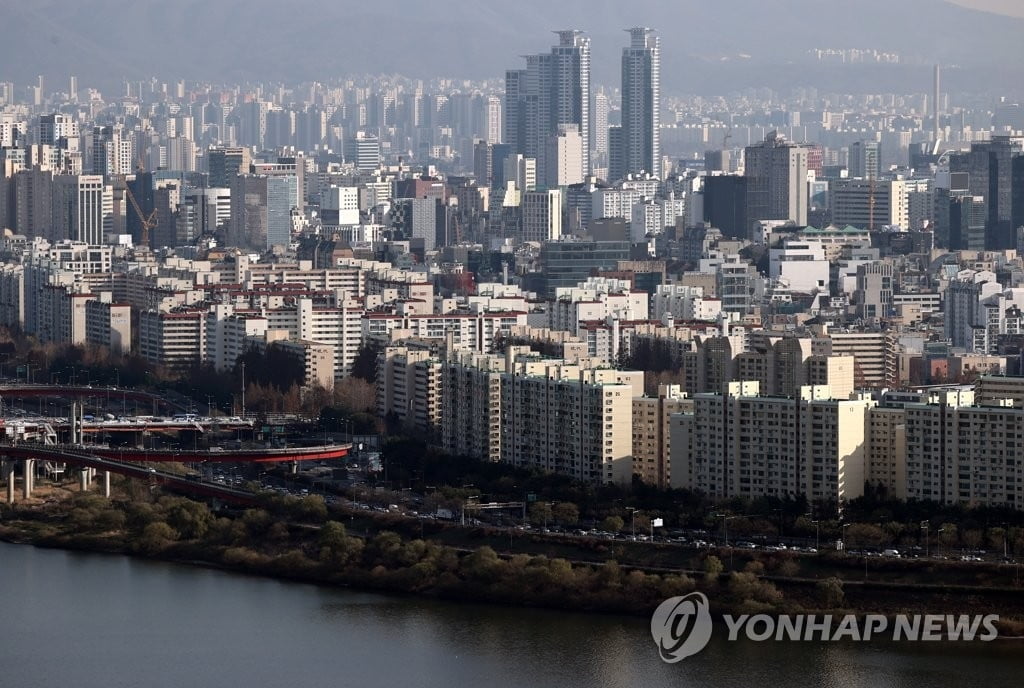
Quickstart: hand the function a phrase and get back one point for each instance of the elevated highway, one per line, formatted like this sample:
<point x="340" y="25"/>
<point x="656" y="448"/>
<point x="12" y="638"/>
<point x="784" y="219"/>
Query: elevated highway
<point x="133" y="463"/>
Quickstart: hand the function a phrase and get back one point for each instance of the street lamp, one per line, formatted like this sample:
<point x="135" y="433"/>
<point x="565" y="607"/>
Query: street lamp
<point x="632" y="515"/>
<point x="926" y="527"/>
<point x="941" y="531"/>
<point x="725" y="524"/>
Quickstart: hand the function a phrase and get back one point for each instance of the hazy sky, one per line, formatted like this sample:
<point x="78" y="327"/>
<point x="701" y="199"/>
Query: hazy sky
<point x="708" y="47"/>
<point x="1014" y="8"/>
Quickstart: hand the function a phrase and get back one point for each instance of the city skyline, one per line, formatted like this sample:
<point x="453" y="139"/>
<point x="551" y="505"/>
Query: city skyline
<point x="709" y="57"/>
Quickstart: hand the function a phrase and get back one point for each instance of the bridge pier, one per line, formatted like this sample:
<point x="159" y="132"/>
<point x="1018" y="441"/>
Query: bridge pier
<point x="28" y="480"/>
<point x="9" y="476"/>
<point x="83" y="479"/>
<point x="106" y="484"/>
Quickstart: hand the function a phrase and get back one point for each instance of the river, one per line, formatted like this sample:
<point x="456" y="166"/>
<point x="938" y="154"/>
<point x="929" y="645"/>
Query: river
<point x="87" y="620"/>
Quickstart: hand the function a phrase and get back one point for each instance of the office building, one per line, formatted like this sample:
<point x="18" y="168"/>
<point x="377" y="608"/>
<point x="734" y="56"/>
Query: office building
<point x="224" y="164"/>
<point x="542" y="215"/>
<point x="776" y="173"/>
<point x="989" y="167"/>
<point x="363" y="151"/>
<point x="82" y="208"/>
<point x="565" y="157"/>
<point x="869" y="203"/>
<point x="863" y="162"/>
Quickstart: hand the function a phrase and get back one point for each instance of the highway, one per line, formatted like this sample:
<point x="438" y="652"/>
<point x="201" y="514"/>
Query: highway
<point x="80" y="457"/>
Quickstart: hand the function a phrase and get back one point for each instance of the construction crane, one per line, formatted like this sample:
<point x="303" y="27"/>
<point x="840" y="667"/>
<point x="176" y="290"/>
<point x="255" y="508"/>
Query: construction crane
<point x="148" y="222"/>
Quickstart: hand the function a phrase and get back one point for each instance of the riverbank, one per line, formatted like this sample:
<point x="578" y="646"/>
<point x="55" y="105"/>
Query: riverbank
<point x="302" y="540"/>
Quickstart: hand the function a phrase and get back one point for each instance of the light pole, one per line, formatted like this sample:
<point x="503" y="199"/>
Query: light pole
<point x="842" y="535"/>
<point x="632" y="517"/>
<point x="926" y="527"/>
<point x="243" y="389"/>
<point x="817" y="534"/>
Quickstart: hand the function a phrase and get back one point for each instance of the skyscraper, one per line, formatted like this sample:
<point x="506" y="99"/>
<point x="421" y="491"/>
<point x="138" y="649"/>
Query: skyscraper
<point x="641" y="102"/>
<point x="224" y="164"/>
<point x="599" y="128"/>
<point x="81" y="207"/>
<point x="363" y="150"/>
<point x="863" y="163"/>
<point x="111" y="151"/>
<point x="989" y="166"/>
<point x="553" y="90"/>
<point x="776" y="173"/>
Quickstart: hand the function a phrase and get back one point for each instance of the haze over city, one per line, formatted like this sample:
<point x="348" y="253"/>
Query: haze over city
<point x="704" y="43"/>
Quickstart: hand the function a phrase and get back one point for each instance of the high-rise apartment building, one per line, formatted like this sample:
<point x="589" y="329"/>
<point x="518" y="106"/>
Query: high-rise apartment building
<point x="743" y="444"/>
<point x="111" y="151"/>
<point x="641" y="103"/>
<point x="553" y="90"/>
<point x="599" y="128"/>
<point x="558" y="417"/>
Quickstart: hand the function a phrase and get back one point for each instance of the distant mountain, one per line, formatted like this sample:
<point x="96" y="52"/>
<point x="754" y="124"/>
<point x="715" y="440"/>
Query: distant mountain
<point x="104" y="41"/>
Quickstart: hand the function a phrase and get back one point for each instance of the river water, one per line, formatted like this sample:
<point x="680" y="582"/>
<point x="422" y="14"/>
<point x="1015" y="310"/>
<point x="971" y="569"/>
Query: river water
<point x="87" y="620"/>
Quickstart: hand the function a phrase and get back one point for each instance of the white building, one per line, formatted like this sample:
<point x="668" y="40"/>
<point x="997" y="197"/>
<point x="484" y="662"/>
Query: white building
<point x="683" y="302"/>
<point x="542" y="215"/>
<point x="800" y="264"/>
<point x="565" y="157"/>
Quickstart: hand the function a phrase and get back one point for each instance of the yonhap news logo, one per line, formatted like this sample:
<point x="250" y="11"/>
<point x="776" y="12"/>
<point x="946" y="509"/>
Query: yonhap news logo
<point x="682" y="627"/>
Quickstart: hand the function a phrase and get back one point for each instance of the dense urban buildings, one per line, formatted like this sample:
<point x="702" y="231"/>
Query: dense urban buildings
<point x="760" y="294"/>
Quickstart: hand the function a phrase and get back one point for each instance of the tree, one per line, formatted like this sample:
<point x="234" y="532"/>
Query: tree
<point x="190" y="519"/>
<point x="364" y="365"/>
<point x="972" y="539"/>
<point x="540" y="513"/>
<point x="830" y="592"/>
<point x="865" y="535"/>
<point x="156" y="537"/>
<point x="566" y="513"/>
<point x="612" y="524"/>
<point x="713" y="568"/>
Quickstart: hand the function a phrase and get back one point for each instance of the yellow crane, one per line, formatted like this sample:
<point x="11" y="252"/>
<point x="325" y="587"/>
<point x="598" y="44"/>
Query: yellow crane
<point x="148" y="222"/>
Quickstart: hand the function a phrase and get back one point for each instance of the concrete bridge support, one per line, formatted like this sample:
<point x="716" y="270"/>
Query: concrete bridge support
<point x="8" y="473"/>
<point x="28" y="480"/>
<point x="83" y="479"/>
<point x="106" y="484"/>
